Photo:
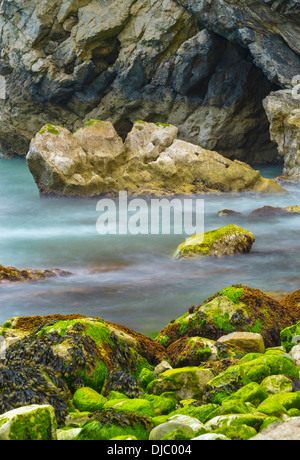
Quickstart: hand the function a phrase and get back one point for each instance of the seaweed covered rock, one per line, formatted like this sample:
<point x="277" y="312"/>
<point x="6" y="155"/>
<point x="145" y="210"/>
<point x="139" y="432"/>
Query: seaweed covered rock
<point x="52" y="361"/>
<point x="237" y="308"/>
<point x="224" y="241"/>
<point x="109" y="424"/>
<point x="12" y="274"/>
<point x="193" y="351"/>
<point x="32" y="423"/>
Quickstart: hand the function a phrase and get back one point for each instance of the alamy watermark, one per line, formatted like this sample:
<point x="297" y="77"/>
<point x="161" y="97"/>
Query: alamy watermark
<point x="138" y="216"/>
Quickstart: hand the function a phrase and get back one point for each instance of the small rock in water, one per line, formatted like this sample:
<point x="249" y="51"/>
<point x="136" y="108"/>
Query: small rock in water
<point x="221" y="242"/>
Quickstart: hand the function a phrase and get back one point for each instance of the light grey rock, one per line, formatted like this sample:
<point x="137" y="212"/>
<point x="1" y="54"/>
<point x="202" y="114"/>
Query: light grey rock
<point x="280" y="431"/>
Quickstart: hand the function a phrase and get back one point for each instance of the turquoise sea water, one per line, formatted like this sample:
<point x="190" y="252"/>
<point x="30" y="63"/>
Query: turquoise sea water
<point x="131" y="280"/>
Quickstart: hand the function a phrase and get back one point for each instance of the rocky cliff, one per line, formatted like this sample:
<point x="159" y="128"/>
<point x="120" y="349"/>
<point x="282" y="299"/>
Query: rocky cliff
<point x="204" y="66"/>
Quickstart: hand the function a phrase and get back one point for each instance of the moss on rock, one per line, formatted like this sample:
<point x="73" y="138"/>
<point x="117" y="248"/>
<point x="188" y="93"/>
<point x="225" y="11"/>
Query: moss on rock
<point x="88" y="400"/>
<point x="223" y="241"/>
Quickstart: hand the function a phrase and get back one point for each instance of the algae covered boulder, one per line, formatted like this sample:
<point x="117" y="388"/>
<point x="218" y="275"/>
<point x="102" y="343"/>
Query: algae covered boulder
<point x="224" y="241"/>
<point x="237" y="308"/>
<point x="34" y="422"/>
<point x="186" y="382"/>
<point x="109" y="424"/>
<point x="89" y="400"/>
<point x="63" y="354"/>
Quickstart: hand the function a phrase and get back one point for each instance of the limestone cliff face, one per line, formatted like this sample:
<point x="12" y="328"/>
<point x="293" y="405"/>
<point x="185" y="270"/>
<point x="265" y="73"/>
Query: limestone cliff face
<point x="203" y="66"/>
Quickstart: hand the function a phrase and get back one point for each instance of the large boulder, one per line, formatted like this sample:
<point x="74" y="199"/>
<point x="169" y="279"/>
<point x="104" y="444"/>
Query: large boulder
<point x="238" y="308"/>
<point x="58" y="356"/>
<point x="94" y="161"/>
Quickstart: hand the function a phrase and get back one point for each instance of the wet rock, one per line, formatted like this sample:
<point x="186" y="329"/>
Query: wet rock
<point x="94" y="161"/>
<point x="238" y="308"/>
<point x="224" y="241"/>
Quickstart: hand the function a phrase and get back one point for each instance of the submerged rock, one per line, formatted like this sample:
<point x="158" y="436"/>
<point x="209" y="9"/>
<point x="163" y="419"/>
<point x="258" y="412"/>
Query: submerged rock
<point x="11" y="274"/>
<point x="94" y="161"/>
<point x="238" y="308"/>
<point x="270" y="211"/>
<point x="224" y="241"/>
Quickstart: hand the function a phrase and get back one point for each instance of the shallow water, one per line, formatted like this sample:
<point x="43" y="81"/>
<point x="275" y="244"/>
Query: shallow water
<point x="131" y="280"/>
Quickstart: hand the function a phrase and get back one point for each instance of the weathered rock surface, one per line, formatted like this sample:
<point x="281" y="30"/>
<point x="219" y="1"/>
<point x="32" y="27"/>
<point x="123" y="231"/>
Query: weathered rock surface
<point x="94" y="161"/>
<point x="202" y="66"/>
<point x="221" y="242"/>
<point x="283" y="111"/>
<point x="250" y="342"/>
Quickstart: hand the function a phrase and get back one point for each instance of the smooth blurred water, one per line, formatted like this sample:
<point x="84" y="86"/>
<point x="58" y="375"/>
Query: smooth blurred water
<point x="131" y="280"/>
